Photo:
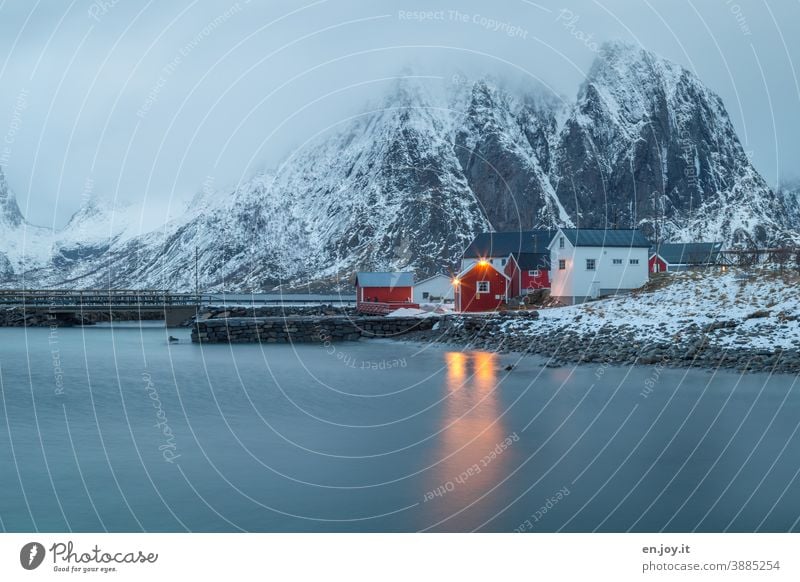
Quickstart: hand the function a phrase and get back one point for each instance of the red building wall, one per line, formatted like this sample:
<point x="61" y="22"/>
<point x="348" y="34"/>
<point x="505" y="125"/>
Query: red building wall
<point x="512" y="270"/>
<point x="656" y="260"/>
<point x="541" y="281"/>
<point x="521" y="281"/>
<point x="383" y="294"/>
<point x="467" y="297"/>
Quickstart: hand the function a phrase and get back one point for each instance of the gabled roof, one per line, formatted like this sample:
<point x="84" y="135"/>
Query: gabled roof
<point x="531" y="261"/>
<point x="601" y="237"/>
<point x="484" y="264"/>
<point x="436" y="276"/>
<point x="688" y="253"/>
<point x="367" y="279"/>
<point x="502" y="244"/>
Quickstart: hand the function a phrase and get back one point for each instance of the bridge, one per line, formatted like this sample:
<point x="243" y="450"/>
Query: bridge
<point x="67" y="304"/>
<point x="175" y="307"/>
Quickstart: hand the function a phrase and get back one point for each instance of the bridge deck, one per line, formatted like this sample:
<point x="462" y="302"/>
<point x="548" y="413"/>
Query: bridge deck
<point x="123" y="299"/>
<point x="140" y="299"/>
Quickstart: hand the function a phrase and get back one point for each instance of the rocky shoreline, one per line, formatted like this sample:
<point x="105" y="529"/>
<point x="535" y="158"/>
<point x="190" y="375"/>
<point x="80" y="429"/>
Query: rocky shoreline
<point x="19" y="317"/>
<point x="611" y="344"/>
<point x="323" y="330"/>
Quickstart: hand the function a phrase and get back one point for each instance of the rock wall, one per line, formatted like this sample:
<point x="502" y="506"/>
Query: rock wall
<point x="612" y="344"/>
<point x="41" y="317"/>
<point x="227" y="312"/>
<point x="300" y="329"/>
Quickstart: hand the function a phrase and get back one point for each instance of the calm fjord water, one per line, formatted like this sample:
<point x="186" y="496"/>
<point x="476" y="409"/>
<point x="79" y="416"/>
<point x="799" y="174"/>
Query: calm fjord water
<point x="115" y="429"/>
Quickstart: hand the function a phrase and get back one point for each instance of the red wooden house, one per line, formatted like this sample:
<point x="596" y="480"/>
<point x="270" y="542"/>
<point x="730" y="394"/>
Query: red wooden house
<point x="382" y="293"/>
<point x="527" y="272"/>
<point x="683" y="256"/>
<point x="481" y="287"/>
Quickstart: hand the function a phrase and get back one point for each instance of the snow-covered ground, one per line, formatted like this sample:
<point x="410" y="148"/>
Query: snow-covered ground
<point x="757" y="309"/>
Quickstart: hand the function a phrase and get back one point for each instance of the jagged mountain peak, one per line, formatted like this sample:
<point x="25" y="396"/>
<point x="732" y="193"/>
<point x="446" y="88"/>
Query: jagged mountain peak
<point x="630" y="83"/>
<point x="10" y="214"/>
<point x="407" y="183"/>
<point x="92" y="207"/>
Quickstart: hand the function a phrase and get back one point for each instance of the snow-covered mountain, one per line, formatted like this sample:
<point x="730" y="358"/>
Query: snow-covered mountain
<point x="647" y="144"/>
<point x="789" y="194"/>
<point x="408" y="183"/>
<point x="22" y="245"/>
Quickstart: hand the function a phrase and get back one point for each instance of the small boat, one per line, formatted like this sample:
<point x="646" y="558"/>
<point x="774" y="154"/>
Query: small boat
<point x="173" y="339"/>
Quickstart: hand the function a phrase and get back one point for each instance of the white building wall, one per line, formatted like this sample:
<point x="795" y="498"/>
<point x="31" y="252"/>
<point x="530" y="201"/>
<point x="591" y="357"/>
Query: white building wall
<point x="439" y="286"/>
<point x="575" y="283"/>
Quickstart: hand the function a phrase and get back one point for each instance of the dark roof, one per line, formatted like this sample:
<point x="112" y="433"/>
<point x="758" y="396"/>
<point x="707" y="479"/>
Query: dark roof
<point x="531" y="261"/>
<point x="366" y="279"/>
<point x="688" y="253"/>
<point x="599" y="237"/>
<point x="502" y="244"/>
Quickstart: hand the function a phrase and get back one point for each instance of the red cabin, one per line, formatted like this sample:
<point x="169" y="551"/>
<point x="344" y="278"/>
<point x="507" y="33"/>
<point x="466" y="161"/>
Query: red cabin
<point x="382" y="293"/>
<point x="683" y="256"/>
<point x="657" y="264"/>
<point x="481" y="287"/>
<point x="527" y="272"/>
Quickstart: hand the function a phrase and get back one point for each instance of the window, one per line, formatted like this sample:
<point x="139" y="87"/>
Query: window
<point x="503" y="262"/>
<point x="483" y="286"/>
<point x="634" y="261"/>
<point x="561" y="242"/>
<point x="590" y="264"/>
<point x="425" y="294"/>
<point x="562" y="264"/>
<point x="617" y="261"/>
<point x="534" y="273"/>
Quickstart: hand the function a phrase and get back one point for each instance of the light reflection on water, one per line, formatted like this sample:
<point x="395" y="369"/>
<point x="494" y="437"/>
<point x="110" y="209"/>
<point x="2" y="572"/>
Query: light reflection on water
<point x="472" y="427"/>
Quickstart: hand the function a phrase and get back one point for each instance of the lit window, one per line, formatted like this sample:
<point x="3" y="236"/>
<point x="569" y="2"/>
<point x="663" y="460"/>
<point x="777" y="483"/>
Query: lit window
<point x="617" y="261"/>
<point x="534" y="273"/>
<point x="483" y="286"/>
<point x="562" y="264"/>
<point x="590" y="264"/>
<point x="634" y="261"/>
<point x="561" y="242"/>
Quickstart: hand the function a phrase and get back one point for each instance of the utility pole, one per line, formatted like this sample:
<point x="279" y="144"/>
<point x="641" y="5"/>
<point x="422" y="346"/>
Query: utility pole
<point x="196" y="276"/>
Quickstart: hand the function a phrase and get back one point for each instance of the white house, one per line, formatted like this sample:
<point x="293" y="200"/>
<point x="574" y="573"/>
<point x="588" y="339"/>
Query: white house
<point x="590" y="263"/>
<point x="436" y="289"/>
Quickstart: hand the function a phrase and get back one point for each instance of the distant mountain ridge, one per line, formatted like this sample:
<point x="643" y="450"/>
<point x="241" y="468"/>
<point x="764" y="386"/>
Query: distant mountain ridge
<point x="408" y="184"/>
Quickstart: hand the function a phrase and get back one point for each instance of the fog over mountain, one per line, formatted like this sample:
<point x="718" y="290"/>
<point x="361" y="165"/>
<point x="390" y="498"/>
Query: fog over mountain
<point x="407" y="182"/>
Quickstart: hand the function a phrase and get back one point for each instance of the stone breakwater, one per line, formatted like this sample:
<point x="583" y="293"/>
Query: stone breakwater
<point x="19" y="317"/>
<point x="304" y="329"/>
<point x="611" y="344"/>
<point x="227" y="312"/>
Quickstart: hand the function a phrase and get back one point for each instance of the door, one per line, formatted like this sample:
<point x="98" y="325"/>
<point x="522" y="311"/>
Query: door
<point x="595" y="290"/>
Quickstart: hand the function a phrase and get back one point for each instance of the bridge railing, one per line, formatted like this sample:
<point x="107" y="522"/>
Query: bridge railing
<point x="95" y="298"/>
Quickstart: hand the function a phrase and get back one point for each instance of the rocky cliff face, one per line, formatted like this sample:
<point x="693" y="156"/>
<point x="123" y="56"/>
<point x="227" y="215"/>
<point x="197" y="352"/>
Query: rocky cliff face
<point x="789" y="193"/>
<point x="498" y="146"/>
<point x="647" y="145"/>
<point x="407" y="185"/>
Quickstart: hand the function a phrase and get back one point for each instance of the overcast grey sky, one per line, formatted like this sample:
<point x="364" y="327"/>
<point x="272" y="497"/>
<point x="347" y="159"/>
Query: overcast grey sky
<point x="139" y="100"/>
